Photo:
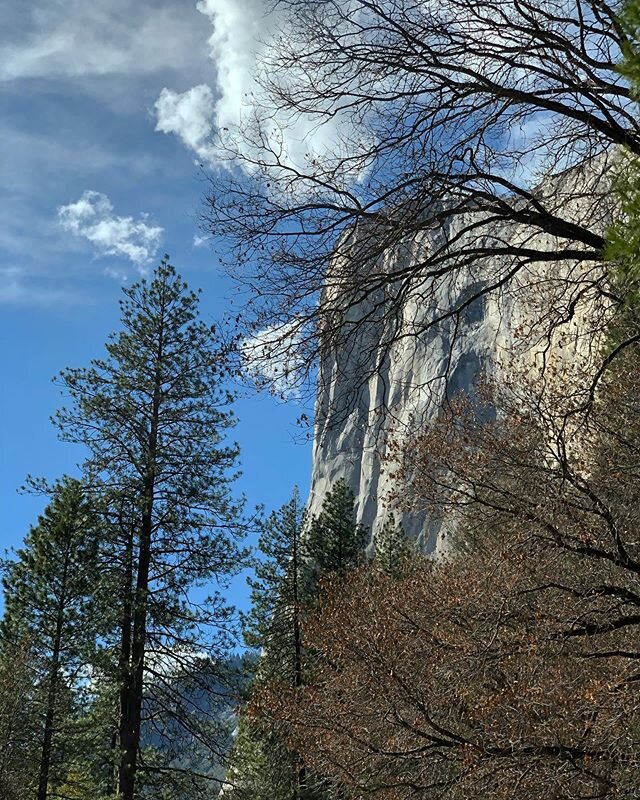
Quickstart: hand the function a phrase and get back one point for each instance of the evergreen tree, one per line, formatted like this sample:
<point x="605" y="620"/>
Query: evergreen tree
<point x="261" y="765"/>
<point x="391" y="547"/>
<point x="293" y="553"/>
<point x="153" y="414"/>
<point x="278" y="592"/>
<point x="335" y="542"/>
<point x="48" y="603"/>
<point x="19" y="731"/>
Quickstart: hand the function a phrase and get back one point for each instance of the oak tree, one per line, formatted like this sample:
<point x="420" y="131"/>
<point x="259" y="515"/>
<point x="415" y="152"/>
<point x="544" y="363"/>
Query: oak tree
<point x="454" y="150"/>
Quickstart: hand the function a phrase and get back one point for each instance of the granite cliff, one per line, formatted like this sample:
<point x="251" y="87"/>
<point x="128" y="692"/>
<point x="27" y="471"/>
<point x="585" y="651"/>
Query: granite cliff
<point x="390" y="376"/>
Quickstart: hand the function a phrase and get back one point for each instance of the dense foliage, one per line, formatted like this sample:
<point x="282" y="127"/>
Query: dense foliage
<point x="102" y="594"/>
<point x="294" y="552"/>
<point x="50" y="617"/>
<point x="509" y="668"/>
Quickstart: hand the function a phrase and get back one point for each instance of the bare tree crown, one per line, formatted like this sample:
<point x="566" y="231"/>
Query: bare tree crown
<point x="465" y="143"/>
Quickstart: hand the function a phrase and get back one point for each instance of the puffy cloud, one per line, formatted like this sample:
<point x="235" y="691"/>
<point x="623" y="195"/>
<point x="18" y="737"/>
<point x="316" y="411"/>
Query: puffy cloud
<point x="92" y="218"/>
<point x="200" y="241"/>
<point x="240" y="29"/>
<point x="234" y="46"/>
<point x="271" y="358"/>
<point x="191" y="116"/>
<point x="240" y="38"/>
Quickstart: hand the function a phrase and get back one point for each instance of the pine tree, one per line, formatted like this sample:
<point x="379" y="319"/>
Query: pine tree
<point x="48" y="589"/>
<point x="391" y="547"/>
<point x="19" y="728"/>
<point x="336" y="542"/>
<point x="261" y="765"/>
<point x="278" y="592"/>
<point x="294" y="553"/>
<point x="153" y="414"/>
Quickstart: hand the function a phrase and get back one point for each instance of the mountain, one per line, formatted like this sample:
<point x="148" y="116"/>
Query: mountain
<point x="399" y="363"/>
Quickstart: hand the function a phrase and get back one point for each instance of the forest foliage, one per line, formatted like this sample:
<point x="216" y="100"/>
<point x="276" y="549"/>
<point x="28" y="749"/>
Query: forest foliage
<point x="508" y="668"/>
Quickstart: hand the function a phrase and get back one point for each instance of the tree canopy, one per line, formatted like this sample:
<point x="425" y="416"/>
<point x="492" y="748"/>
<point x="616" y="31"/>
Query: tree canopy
<point x="461" y="144"/>
<point x="153" y="416"/>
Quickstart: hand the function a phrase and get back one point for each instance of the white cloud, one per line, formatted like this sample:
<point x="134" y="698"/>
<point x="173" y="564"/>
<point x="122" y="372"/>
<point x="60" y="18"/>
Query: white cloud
<point x="200" y="241"/>
<point x="201" y="115"/>
<point x="92" y="218"/>
<point x="240" y="29"/>
<point x="272" y="358"/>
<point x="103" y="37"/>
<point x="190" y="116"/>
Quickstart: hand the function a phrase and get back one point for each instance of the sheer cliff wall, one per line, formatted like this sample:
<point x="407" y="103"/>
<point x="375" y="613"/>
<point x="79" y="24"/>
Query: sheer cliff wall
<point x="390" y="376"/>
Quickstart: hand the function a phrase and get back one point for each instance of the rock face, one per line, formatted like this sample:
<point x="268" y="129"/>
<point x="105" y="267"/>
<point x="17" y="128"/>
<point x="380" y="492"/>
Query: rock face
<point x="392" y="374"/>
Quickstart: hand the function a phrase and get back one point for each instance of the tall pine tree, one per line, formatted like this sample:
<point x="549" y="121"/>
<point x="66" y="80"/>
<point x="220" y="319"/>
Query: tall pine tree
<point x="278" y="591"/>
<point x="153" y="416"/>
<point x="261" y="766"/>
<point x="294" y="555"/>
<point x="48" y="603"/>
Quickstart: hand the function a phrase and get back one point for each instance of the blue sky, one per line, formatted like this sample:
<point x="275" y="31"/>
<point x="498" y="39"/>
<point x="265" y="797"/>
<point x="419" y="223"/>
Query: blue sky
<point x="105" y="107"/>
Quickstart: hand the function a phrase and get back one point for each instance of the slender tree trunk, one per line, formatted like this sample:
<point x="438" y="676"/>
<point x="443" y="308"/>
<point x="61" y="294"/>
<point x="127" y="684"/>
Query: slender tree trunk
<point x="130" y="730"/>
<point x="52" y="693"/>
<point x="130" y="725"/>
<point x="301" y="776"/>
<point x="124" y="667"/>
<point x="47" y="739"/>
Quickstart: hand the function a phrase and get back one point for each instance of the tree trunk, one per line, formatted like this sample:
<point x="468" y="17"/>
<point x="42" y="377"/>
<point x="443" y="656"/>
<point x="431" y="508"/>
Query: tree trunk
<point x="133" y="691"/>
<point x="52" y="693"/>
<point x="47" y="740"/>
<point x="125" y="657"/>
